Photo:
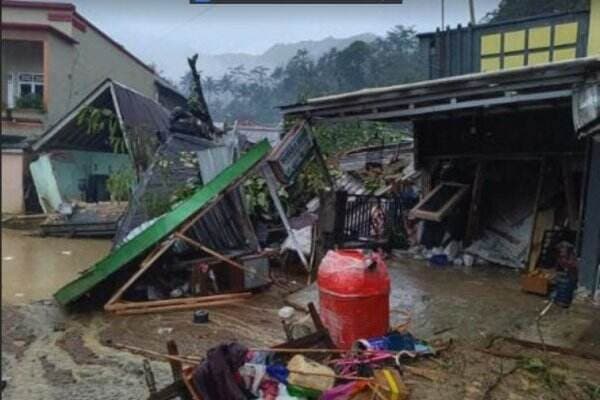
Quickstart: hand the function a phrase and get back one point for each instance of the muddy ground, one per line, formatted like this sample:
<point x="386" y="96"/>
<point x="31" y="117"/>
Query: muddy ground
<point x="48" y="354"/>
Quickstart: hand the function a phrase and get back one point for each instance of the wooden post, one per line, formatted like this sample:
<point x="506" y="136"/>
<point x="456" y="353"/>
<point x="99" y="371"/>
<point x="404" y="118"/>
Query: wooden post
<point x="146" y="264"/>
<point x="536" y="204"/>
<point x="341" y="198"/>
<point x="176" y="366"/>
<point x="272" y="186"/>
<point x="569" y="193"/>
<point x="474" y="208"/>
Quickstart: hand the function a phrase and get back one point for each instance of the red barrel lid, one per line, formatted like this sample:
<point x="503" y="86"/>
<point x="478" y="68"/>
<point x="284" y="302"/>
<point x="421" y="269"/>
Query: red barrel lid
<point x="353" y="273"/>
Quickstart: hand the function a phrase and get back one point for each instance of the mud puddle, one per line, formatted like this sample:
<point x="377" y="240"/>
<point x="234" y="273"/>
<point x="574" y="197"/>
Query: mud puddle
<point x="33" y="268"/>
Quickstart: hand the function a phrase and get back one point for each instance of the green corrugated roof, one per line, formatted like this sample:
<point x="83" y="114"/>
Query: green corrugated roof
<point x="161" y="228"/>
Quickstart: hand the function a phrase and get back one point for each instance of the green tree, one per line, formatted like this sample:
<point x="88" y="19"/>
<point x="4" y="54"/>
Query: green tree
<point x="514" y="9"/>
<point x="255" y="94"/>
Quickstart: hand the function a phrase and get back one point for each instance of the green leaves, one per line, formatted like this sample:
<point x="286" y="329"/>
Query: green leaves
<point x="31" y="101"/>
<point x="120" y="184"/>
<point x="258" y="200"/>
<point x="255" y="95"/>
<point x="99" y="120"/>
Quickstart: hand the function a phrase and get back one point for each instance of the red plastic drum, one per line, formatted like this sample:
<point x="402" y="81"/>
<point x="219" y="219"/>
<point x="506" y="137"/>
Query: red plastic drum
<point x="354" y="291"/>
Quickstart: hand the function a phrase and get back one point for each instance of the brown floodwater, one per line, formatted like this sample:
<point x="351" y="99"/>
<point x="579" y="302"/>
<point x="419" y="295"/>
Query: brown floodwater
<point x="33" y="268"/>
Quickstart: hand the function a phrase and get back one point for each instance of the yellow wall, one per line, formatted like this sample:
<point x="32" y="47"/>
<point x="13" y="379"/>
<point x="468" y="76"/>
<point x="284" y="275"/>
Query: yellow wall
<point x="594" y="32"/>
<point x="505" y="50"/>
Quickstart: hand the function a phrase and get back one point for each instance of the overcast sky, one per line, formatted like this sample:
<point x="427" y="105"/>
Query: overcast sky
<point x="164" y="32"/>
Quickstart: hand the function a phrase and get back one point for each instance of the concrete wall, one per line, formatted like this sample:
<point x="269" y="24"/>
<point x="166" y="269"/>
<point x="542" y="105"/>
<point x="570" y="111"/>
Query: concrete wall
<point x="12" y="182"/>
<point x="73" y="69"/>
<point x="20" y="56"/>
<point x="76" y="70"/>
<point x="35" y="16"/>
<point x="57" y="175"/>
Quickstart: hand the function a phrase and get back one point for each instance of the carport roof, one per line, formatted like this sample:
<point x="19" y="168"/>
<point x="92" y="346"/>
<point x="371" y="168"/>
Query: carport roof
<point x="546" y="84"/>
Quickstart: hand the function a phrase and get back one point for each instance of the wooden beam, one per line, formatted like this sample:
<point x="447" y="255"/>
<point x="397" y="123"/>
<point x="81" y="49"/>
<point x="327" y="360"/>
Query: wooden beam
<point x="569" y="193"/>
<point x="213" y="253"/>
<point x="179" y="307"/>
<point x="532" y="77"/>
<point x="145" y="265"/>
<point x="536" y="204"/>
<point x="474" y="207"/>
<point x="180" y="301"/>
<point x="439" y="214"/>
<point x="449" y="106"/>
<point x="176" y="367"/>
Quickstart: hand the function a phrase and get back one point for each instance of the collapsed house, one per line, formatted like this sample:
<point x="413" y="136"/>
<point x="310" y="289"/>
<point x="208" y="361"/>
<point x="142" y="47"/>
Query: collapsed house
<point x="175" y="230"/>
<point x="501" y="162"/>
<point x="73" y="164"/>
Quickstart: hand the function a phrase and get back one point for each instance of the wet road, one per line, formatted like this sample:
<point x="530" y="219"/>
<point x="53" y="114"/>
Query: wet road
<point x="33" y="268"/>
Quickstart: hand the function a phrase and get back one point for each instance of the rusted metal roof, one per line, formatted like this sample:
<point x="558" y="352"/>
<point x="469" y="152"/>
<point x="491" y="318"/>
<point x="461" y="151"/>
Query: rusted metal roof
<point x="532" y="84"/>
<point x="137" y="114"/>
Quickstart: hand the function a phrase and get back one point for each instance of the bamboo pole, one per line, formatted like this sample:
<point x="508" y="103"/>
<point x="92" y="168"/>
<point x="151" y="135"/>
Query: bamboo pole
<point x="191" y="306"/>
<point x="186" y="300"/>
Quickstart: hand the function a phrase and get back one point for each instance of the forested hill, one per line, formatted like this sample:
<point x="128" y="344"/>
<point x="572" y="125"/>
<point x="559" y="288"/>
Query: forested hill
<point x="254" y="93"/>
<point x="277" y="55"/>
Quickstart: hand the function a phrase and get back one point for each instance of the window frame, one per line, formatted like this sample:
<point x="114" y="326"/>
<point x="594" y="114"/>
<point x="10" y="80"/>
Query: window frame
<point x="32" y="83"/>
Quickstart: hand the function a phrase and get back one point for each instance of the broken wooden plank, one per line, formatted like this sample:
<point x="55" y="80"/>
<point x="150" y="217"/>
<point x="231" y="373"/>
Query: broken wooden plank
<point x="536" y="204"/>
<point x="146" y="264"/>
<point x="449" y="193"/>
<point x="475" y="207"/>
<point x="178" y="307"/>
<point x="172" y="302"/>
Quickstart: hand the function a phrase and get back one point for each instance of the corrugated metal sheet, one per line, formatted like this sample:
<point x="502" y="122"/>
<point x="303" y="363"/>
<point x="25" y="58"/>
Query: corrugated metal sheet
<point x="182" y="160"/>
<point x="140" y="111"/>
<point x="138" y="114"/>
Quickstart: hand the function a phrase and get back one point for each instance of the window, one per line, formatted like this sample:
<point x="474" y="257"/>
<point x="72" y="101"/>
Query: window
<point x="31" y="84"/>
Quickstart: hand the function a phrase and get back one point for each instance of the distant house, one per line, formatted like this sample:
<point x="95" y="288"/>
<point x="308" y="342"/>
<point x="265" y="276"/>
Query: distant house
<point x="51" y="58"/>
<point x="251" y="133"/>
